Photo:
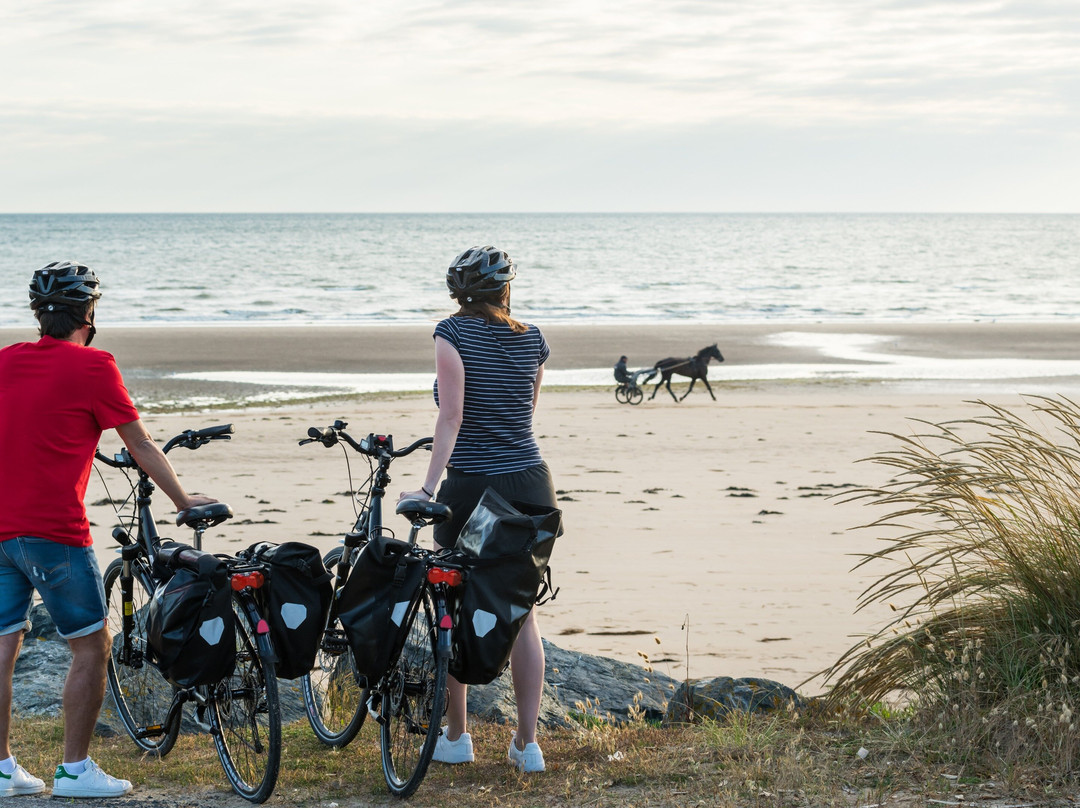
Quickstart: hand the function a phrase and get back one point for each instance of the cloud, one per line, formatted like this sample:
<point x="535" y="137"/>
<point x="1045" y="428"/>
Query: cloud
<point x="628" y="61"/>
<point x="203" y="162"/>
<point x="578" y="104"/>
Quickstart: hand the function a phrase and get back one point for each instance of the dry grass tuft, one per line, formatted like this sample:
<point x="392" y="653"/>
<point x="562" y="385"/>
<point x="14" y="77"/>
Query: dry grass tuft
<point x="987" y="561"/>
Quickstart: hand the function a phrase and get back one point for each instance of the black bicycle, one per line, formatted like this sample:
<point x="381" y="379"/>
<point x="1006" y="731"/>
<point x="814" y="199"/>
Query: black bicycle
<point x="241" y="711"/>
<point x="409" y="700"/>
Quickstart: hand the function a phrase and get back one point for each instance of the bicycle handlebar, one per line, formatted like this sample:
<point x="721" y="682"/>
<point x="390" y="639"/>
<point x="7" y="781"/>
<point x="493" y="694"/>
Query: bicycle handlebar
<point x="121" y="460"/>
<point x="174" y="556"/>
<point x="194" y="438"/>
<point x="190" y="439"/>
<point x="373" y="445"/>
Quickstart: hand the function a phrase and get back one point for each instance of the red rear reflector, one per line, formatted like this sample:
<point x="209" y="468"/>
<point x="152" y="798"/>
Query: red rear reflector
<point x="244" y="580"/>
<point x="441" y="575"/>
<point x="263" y="627"/>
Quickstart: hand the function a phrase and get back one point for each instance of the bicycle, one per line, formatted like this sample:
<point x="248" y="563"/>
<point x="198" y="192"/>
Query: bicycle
<point x="409" y="700"/>
<point x="241" y="711"/>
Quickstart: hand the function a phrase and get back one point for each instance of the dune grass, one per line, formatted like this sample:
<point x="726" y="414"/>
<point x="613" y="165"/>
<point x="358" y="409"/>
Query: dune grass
<point x="982" y="566"/>
<point x="769" y="760"/>
<point x="776" y="760"/>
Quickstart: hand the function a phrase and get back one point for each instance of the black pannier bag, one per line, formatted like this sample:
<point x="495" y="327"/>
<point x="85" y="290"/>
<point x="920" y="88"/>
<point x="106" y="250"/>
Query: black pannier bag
<point x="504" y="549"/>
<point x="376" y="599"/>
<point x="295" y="601"/>
<point x="190" y="626"/>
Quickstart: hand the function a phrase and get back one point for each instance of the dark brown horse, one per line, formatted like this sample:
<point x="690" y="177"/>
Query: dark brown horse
<point x="694" y="366"/>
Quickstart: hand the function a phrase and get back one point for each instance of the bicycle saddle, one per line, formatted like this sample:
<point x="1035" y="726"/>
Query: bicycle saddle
<point x="430" y="512"/>
<point x="213" y="514"/>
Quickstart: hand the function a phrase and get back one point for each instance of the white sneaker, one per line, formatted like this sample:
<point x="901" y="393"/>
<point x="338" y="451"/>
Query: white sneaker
<point x="531" y="759"/>
<point x="459" y="751"/>
<point x="93" y="782"/>
<point x="20" y="782"/>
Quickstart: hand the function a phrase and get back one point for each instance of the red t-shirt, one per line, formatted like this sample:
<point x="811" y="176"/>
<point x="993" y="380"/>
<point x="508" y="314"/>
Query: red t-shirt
<point x="56" y="398"/>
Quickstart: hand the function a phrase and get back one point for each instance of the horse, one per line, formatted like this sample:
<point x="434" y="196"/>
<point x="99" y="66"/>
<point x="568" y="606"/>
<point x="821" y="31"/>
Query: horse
<point x="693" y="366"/>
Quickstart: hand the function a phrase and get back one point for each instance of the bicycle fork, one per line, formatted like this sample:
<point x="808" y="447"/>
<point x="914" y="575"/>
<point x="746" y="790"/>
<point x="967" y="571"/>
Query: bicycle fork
<point x="128" y="655"/>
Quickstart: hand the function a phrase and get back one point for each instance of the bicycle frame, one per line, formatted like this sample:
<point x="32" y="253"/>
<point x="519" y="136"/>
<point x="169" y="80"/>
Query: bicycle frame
<point x="369" y="522"/>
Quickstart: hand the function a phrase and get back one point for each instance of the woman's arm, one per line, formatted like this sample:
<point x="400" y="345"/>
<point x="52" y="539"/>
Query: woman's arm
<point x="450" y="371"/>
<point x="536" y="385"/>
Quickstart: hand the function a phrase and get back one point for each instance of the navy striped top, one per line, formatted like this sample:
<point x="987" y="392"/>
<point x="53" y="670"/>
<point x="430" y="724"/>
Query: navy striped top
<point x="496" y="435"/>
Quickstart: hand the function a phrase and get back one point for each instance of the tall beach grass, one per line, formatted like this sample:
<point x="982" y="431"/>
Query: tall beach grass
<point x="981" y="563"/>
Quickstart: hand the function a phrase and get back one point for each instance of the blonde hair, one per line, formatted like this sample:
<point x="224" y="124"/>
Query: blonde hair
<point x="492" y="310"/>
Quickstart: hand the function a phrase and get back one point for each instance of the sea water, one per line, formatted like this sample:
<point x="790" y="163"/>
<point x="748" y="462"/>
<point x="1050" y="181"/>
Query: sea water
<point x="237" y="269"/>
<point x="580" y="268"/>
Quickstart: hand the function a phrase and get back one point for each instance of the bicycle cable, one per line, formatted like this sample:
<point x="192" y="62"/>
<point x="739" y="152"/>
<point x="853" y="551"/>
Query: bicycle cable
<point x="352" y="489"/>
<point x="124" y="504"/>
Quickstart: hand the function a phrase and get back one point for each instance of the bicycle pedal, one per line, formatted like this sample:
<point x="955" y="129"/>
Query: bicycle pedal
<point x="373" y="710"/>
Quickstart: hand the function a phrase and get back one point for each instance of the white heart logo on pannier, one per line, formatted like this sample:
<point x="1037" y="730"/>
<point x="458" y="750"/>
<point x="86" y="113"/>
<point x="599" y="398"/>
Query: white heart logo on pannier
<point x="293" y="614"/>
<point x="211" y="630"/>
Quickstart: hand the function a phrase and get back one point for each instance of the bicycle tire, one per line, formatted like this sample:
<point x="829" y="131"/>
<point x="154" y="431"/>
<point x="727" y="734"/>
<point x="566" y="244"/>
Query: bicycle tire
<point x="141" y="694"/>
<point x="634" y="395"/>
<point x="621" y="393"/>
<point x="245" y="714"/>
<point x="335" y="698"/>
<point x="413" y="702"/>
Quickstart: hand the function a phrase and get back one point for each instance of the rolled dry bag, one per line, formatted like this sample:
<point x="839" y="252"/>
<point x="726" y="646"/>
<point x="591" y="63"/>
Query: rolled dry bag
<point x="295" y="601"/>
<point x="376" y="599"/>
<point x="504" y="549"/>
<point x="190" y="626"/>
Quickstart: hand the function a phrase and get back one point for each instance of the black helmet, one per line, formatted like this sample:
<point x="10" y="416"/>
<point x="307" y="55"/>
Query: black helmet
<point x="63" y="284"/>
<point x="479" y="272"/>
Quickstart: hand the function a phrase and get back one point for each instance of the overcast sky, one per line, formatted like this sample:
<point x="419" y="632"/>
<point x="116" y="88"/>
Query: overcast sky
<point x="582" y="105"/>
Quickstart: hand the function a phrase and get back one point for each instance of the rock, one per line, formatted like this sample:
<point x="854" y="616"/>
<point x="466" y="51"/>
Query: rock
<point x="495" y="702"/>
<point x="575" y="683"/>
<point x="715" y="698"/>
<point x="606" y="687"/>
<point x="578" y="683"/>
<point x="41" y="624"/>
<point x="39" y="676"/>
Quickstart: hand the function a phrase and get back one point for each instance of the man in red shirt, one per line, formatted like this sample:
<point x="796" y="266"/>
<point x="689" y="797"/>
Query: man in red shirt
<point x="57" y="395"/>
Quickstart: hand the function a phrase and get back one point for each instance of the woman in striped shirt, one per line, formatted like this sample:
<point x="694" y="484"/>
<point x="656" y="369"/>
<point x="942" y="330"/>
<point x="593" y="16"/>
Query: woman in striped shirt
<point x="488" y="372"/>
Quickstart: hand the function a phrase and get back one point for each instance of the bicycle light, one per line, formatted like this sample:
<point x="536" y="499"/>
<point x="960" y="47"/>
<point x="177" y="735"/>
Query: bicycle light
<point x="441" y="575"/>
<point x="243" y="580"/>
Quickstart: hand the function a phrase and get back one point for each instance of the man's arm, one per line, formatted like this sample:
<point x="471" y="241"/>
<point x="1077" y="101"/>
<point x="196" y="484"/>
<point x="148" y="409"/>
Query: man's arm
<point x="153" y="461"/>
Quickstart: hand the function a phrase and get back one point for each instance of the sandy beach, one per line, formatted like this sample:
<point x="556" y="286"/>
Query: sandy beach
<point x="704" y="534"/>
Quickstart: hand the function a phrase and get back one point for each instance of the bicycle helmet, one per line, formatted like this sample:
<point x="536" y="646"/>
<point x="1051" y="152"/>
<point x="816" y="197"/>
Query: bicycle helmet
<point x="479" y="272"/>
<point x="63" y="285"/>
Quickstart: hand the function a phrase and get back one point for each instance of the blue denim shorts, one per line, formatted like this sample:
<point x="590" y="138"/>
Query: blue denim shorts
<point x="67" y="579"/>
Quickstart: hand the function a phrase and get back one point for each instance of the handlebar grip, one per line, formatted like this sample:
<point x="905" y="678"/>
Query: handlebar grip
<point x="325" y="435"/>
<point x="212" y="432"/>
<point x="174" y="556"/>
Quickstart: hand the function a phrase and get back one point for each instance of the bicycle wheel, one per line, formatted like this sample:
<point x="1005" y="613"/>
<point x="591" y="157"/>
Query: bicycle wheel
<point x="634" y="395"/>
<point x="413" y="702"/>
<point x="245" y="714"/>
<point x="335" y="697"/>
<point x="621" y="393"/>
<point x="141" y="694"/>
